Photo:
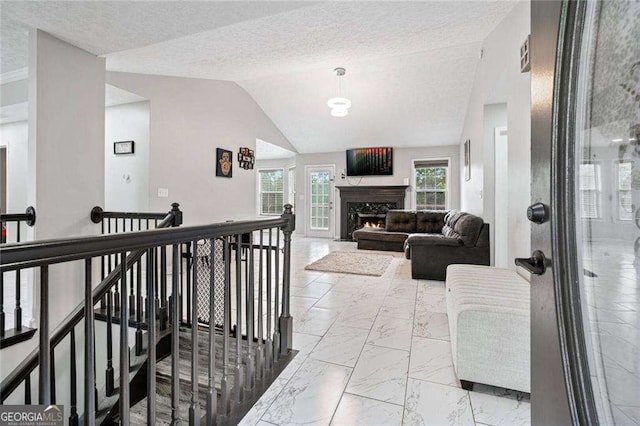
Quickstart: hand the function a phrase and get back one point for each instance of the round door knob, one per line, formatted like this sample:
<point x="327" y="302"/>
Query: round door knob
<point x="537" y="213"/>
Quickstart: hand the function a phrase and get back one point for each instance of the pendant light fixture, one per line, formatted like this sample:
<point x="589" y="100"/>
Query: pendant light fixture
<point x="339" y="105"/>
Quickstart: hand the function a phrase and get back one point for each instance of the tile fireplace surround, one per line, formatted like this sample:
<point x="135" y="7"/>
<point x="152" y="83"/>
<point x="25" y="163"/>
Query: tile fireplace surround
<point x="367" y="199"/>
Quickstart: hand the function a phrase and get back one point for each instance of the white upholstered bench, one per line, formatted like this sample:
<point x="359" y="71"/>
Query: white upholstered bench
<point x="489" y="323"/>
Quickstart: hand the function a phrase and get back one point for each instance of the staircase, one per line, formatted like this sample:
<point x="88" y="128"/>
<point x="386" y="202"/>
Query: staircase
<point x="223" y="286"/>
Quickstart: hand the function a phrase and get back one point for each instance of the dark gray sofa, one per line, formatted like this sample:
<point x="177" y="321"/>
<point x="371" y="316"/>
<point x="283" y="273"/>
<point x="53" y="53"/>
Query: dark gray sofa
<point x="432" y="240"/>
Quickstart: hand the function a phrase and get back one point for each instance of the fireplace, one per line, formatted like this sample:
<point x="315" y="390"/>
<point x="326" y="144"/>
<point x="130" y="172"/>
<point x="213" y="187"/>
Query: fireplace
<point x="368" y="220"/>
<point x="362" y="204"/>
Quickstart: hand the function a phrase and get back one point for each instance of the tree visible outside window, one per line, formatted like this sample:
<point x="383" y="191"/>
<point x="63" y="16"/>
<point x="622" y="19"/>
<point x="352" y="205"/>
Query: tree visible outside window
<point x="623" y="187"/>
<point x="271" y="191"/>
<point x="431" y="185"/>
<point x="590" y="188"/>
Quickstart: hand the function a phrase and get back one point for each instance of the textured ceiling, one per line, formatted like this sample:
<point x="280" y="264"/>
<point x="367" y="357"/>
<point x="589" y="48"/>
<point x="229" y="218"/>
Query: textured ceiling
<point x="410" y="65"/>
<point x="269" y="151"/>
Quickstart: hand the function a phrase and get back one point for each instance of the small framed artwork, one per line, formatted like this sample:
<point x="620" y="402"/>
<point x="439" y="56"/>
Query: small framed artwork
<point x="224" y="165"/>
<point x="246" y="158"/>
<point x="123" y="147"/>
<point x="467" y="159"/>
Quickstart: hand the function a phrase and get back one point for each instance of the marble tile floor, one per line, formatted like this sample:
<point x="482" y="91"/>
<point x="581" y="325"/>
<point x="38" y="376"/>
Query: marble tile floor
<point x="374" y="351"/>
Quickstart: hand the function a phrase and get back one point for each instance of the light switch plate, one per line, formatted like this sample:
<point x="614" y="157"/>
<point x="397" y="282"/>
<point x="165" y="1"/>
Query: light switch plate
<point x="163" y="192"/>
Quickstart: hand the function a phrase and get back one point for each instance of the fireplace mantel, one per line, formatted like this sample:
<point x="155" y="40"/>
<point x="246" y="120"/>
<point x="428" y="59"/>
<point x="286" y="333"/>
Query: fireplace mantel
<point x="367" y="194"/>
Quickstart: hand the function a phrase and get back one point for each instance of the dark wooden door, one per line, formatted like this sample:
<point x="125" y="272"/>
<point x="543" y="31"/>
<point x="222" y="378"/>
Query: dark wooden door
<point x="585" y="192"/>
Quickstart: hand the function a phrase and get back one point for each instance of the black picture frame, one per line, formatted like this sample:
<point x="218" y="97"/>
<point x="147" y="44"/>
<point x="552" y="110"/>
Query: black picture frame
<point x="224" y="163"/>
<point x="124" y="147"/>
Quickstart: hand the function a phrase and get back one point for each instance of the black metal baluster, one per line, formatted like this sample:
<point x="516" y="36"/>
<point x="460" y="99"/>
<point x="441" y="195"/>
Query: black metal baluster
<point x="225" y="385"/>
<point x="18" y="309"/>
<point x="250" y="295"/>
<point x="164" y="314"/>
<point x="238" y="369"/>
<point x="44" y="353"/>
<point x="2" y="323"/>
<point x="27" y="390"/>
<point x="194" y="408"/>
<point x="124" y="345"/>
<point x="73" y="418"/>
<point x="260" y="345"/>
<point x="175" y="345"/>
<point x="151" y="359"/>
<point x="110" y="378"/>
<point x="189" y="261"/>
<point x="116" y="294"/>
<point x="132" y="296"/>
<point x="53" y="376"/>
<point x="212" y="398"/>
<point x="156" y="282"/>
<point x="269" y="342"/>
<point x="103" y="301"/>
<point x="180" y="299"/>
<point x="89" y="350"/>
<point x="138" y="302"/>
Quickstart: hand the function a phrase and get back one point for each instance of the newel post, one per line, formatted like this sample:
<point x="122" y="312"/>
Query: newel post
<point x="177" y="214"/>
<point x="286" y="321"/>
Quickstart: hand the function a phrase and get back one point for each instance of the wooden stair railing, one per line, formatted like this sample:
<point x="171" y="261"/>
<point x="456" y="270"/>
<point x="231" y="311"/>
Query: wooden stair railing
<point x="18" y="333"/>
<point x="237" y="371"/>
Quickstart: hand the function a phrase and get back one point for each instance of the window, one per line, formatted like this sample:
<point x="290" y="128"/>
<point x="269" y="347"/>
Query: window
<point x="623" y="190"/>
<point x="431" y="178"/>
<point x="271" y="187"/>
<point x="590" y="187"/>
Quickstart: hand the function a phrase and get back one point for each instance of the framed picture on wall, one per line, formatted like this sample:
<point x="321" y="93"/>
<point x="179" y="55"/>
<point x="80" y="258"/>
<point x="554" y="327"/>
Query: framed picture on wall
<point x="467" y="159"/>
<point x="123" y="147"/>
<point x="224" y="165"/>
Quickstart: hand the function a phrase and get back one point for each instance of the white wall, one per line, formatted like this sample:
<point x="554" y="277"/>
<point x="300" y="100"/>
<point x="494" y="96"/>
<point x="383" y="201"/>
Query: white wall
<point x="15" y="137"/>
<point x="494" y="115"/>
<point x="498" y="80"/>
<point x="65" y="168"/>
<point x="402" y="168"/>
<point x="126" y="177"/>
<point x="189" y="119"/>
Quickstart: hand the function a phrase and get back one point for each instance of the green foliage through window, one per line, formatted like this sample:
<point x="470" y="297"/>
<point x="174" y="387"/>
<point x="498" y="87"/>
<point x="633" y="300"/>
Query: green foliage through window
<point x="271" y="192"/>
<point x="431" y="188"/>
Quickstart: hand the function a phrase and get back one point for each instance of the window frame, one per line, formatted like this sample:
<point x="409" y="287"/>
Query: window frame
<point x="414" y="189"/>
<point x="259" y="191"/>
<point x="617" y="190"/>
<point x="598" y="191"/>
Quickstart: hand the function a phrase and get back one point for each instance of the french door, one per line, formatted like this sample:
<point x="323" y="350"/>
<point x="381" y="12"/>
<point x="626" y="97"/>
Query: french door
<point x="320" y="194"/>
<point x="585" y="152"/>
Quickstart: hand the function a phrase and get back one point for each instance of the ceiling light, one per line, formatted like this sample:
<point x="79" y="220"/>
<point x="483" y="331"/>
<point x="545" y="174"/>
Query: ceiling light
<point x="339" y="105"/>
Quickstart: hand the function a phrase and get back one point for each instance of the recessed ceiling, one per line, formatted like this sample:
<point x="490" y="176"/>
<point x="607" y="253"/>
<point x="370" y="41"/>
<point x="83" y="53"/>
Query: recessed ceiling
<point x="410" y="65"/>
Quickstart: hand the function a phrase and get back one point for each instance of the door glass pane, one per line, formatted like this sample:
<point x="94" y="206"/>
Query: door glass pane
<point x="607" y="200"/>
<point x="320" y="186"/>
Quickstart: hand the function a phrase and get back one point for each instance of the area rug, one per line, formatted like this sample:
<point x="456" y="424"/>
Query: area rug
<point x="350" y="262"/>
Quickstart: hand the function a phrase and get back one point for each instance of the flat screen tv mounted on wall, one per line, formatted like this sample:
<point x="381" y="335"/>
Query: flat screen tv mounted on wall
<point x="369" y="161"/>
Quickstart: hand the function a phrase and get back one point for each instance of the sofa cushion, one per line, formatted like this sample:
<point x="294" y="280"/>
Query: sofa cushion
<point x="377" y="234"/>
<point x="450" y="220"/>
<point x="430" y="221"/>
<point x="400" y="221"/>
<point x="432" y="240"/>
<point x="468" y="228"/>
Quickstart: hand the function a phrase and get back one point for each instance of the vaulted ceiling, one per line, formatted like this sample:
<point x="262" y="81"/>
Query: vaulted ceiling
<point x="410" y="65"/>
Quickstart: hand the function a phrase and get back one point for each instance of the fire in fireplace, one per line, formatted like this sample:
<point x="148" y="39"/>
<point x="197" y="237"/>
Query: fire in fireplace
<point x="368" y="220"/>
